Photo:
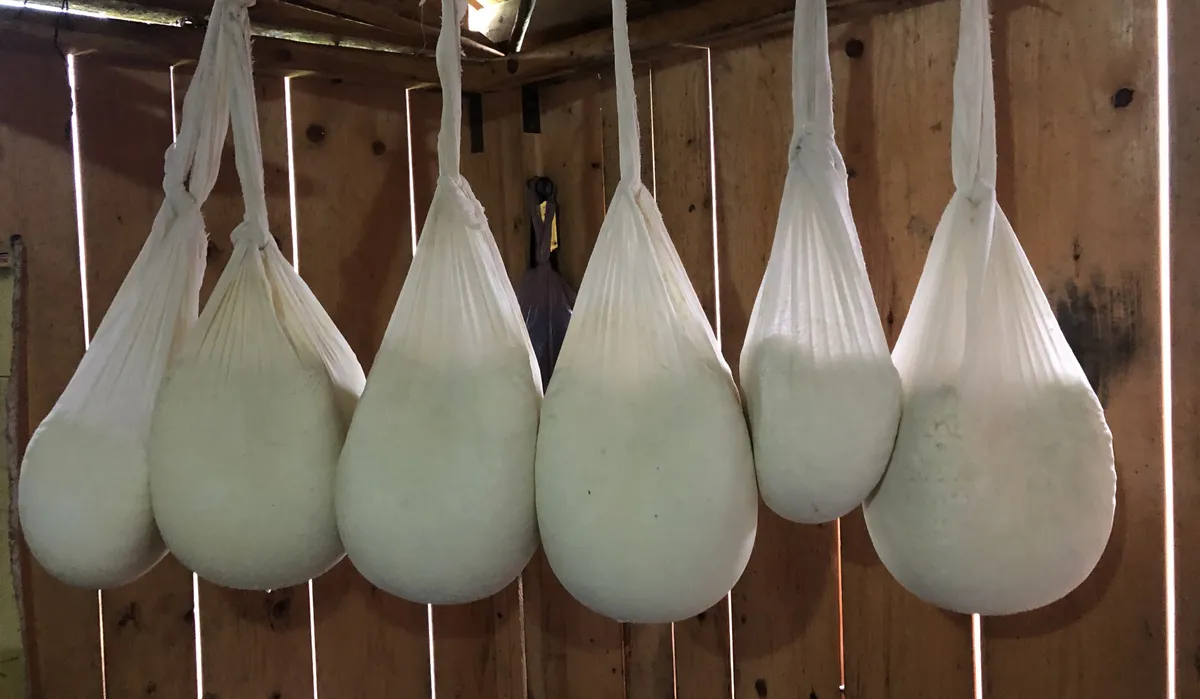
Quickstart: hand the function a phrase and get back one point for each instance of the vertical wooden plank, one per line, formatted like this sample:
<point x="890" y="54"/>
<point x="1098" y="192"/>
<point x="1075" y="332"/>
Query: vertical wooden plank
<point x="570" y="650"/>
<point x="16" y="433"/>
<point x="498" y="175"/>
<point x="785" y="608"/>
<point x="570" y="151"/>
<point x="683" y="168"/>
<point x="424" y="121"/>
<point x="893" y="79"/>
<point x="1185" y="340"/>
<point x="14" y="680"/>
<point x="224" y="209"/>
<point x="355" y="246"/>
<point x="254" y="644"/>
<point x="649" y="655"/>
<point x="125" y="128"/>
<point x="1078" y="180"/>
<point x="38" y="200"/>
<point x="642" y="83"/>
<point x="478" y="648"/>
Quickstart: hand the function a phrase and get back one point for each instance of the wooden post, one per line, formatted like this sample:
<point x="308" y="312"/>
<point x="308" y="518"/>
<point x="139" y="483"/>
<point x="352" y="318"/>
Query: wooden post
<point x="1184" y="65"/>
<point x="38" y="200"/>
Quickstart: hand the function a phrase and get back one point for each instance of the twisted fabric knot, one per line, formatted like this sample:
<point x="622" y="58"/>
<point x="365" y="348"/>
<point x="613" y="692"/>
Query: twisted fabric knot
<point x="979" y="192"/>
<point x="239" y="4"/>
<point x="253" y="230"/>
<point x="807" y="131"/>
<point x="182" y="202"/>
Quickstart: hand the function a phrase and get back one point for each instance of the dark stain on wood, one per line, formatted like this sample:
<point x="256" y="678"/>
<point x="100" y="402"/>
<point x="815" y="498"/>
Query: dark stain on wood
<point x="920" y="229"/>
<point x="1102" y="324"/>
<point x="315" y="133"/>
<point x="280" y="612"/>
<point x="129" y="616"/>
<point x="1123" y="98"/>
<point x="760" y="687"/>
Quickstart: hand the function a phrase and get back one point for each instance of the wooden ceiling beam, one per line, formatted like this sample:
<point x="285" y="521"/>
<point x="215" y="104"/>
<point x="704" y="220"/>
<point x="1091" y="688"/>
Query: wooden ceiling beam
<point x="699" y="23"/>
<point x="288" y="51"/>
<point x="416" y="30"/>
<point x="131" y="42"/>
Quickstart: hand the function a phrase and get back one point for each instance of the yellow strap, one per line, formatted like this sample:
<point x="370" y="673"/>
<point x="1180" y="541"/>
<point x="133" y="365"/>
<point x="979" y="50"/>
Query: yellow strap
<point x="553" y="227"/>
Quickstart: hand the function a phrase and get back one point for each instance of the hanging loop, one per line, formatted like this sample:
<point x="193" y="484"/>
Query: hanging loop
<point x="243" y="110"/>
<point x="449" y="67"/>
<point x="812" y="78"/>
<point x="973" y="135"/>
<point x="627" y="121"/>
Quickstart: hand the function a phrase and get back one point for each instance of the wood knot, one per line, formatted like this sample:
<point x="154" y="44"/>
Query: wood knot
<point x="855" y="48"/>
<point x="1122" y="98"/>
<point x="378" y="147"/>
<point x="281" y="607"/>
<point x="315" y="133"/>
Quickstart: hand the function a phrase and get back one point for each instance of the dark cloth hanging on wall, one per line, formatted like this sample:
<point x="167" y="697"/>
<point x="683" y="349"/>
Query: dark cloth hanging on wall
<point x="546" y="298"/>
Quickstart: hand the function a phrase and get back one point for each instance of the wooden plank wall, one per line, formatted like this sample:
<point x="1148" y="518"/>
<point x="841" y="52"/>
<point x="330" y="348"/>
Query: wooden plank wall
<point x="1185" y="299"/>
<point x="815" y="611"/>
<point x="785" y="608"/>
<point x="1080" y="186"/>
<point x="149" y="626"/>
<point x="37" y="196"/>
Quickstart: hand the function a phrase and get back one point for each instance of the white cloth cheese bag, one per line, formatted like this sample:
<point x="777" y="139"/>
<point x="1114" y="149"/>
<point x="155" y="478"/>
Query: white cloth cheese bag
<point x="84" y="494"/>
<point x="646" y="495"/>
<point x="821" y="391"/>
<point x="1000" y="494"/>
<point x="435" y="485"/>
<point x="251" y="418"/>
